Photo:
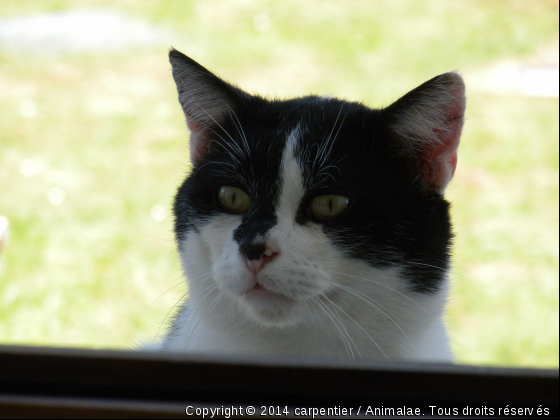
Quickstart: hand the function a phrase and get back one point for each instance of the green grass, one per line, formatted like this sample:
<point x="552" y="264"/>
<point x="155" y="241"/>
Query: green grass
<point x="109" y="133"/>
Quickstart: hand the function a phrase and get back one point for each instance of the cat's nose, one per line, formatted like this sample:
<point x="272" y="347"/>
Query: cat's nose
<point x="252" y="251"/>
<point x="257" y="255"/>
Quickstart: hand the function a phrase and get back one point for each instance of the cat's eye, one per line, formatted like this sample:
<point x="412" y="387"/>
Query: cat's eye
<point x="328" y="207"/>
<point x="233" y="200"/>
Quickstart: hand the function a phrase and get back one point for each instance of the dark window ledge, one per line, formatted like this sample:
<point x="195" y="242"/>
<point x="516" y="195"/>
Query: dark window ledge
<point x="62" y="382"/>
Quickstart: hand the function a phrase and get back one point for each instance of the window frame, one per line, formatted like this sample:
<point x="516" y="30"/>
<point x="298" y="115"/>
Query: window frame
<point x="72" y="382"/>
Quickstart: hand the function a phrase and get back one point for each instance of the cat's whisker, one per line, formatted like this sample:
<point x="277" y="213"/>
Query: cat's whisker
<point x="202" y="166"/>
<point x="337" y="316"/>
<point x="230" y="308"/>
<point x="210" y="307"/>
<point x="169" y="312"/>
<point x="340" y="327"/>
<point x="371" y="301"/>
<point x="319" y="304"/>
<point x="233" y="146"/>
<point x="384" y="285"/>
<point x="323" y="180"/>
<point x="159" y="297"/>
<point x="325" y="157"/>
<point x="359" y="326"/>
<point x="220" y="165"/>
<point x="239" y="129"/>
<point x="227" y="147"/>
<point x="234" y="149"/>
<point x="375" y="305"/>
<point x="190" y="332"/>
<point x="145" y="232"/>
<point x="231" y="173"/>
<point x="216" y="122"/>
<point x="312" y="320"/>
<point x="371" y="225"/>
<point x="441" y="268"/>
<point x="328" y="153"/>
<point x="323" y="148"/>
<point x="178" y="301"/>
<point x="238" y="126"/>
<point x="208" y="288"/>
<point x="326" y="168"/>
<point x="319" y="171"/>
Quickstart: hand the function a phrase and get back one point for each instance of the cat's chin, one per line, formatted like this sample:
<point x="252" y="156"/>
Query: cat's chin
<point x="269" y="308"/>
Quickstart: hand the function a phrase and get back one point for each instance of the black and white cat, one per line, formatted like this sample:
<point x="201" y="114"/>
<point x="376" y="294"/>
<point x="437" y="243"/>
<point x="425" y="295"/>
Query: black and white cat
<point x="315" y="226"/>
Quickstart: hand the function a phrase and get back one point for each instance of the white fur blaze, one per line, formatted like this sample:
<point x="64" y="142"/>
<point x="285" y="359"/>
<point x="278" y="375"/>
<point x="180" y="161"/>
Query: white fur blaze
<point x="292" y="180"/>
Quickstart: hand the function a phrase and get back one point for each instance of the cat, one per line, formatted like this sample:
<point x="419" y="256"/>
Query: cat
<point x="315" y="226"/>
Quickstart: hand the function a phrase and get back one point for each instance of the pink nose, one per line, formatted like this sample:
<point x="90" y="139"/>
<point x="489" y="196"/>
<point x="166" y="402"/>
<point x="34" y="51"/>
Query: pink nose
<point x="255" y="265"/>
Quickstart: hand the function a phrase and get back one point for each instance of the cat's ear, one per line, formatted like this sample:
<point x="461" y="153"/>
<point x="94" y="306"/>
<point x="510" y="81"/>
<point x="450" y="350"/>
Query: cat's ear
<point x="428" y="122"/>
<point x="206" y="100"/>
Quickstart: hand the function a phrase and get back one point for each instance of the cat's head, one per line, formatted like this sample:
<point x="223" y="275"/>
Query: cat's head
<point x="290" y="202"/>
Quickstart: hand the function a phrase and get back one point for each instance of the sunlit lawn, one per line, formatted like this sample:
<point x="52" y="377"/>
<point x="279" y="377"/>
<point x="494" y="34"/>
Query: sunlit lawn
<point x="102" y="135"/>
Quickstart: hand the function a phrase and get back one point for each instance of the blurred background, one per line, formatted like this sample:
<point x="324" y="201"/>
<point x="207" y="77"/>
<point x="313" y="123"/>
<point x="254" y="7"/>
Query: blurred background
<point x="93" y="145"/>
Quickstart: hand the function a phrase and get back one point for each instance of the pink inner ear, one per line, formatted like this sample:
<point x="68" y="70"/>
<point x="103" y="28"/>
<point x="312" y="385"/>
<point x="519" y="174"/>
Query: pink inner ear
<point x="440" y="161"/>
<point x="198" y="141"/>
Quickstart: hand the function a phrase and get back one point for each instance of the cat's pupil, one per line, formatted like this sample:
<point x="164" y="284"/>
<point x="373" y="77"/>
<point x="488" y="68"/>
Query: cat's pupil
<point x="233" y="200"/>
<point x="328" y="207"/>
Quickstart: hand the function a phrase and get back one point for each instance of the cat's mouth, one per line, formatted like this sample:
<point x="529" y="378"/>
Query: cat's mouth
<point x="258" y="287"/>
<point x="268" y="307"/>
<point x="259" y="291"/>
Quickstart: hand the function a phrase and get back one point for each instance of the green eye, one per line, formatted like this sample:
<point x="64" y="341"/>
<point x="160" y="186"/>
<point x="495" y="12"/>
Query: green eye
<point x="328" y="207"/>
<point x="234" y="200"/>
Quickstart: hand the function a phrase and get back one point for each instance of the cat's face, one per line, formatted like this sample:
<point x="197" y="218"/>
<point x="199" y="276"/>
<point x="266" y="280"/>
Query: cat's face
<point x="293" y="203"/>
